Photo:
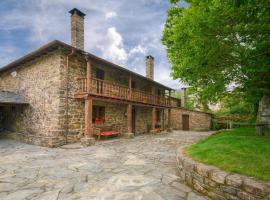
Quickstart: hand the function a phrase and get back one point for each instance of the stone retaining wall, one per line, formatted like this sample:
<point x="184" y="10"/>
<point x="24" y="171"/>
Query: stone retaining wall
<point x="217" y="184"/>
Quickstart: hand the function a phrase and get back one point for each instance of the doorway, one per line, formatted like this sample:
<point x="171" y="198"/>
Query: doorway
<point x="185" y="122"/>
<point x="133" y="120"/>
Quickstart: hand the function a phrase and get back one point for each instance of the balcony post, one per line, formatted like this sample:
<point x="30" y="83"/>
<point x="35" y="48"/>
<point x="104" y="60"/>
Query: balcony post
<point x="169" y="111"/>
<point x="129" y="118"/>
<point x="88" y="74"/>
<point x="153" y="126"/>
<point x="163" y="119"/>
<point x="88" y="133"/>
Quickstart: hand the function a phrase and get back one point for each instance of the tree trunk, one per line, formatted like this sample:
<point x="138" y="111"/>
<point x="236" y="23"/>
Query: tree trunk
<point x="263" y="116"/>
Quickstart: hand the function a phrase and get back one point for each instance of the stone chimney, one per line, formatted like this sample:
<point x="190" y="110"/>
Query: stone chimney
<point x="183" y="97"/>
<point x="150" y="67"/>
<point x="77" y="28"/>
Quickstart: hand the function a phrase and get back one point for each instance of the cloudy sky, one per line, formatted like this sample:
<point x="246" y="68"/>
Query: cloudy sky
<point x="121" y="31"/>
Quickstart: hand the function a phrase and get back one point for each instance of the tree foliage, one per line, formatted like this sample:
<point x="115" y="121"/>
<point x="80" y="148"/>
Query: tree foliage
<point x="217" y="47"/>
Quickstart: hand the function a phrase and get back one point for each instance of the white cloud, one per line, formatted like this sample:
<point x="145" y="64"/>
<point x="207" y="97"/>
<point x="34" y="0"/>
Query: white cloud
<point x="110" y="15"/>
<point x="137" y="50"/>
<point x="136" y="32"/>
<point x="113" y="48"/>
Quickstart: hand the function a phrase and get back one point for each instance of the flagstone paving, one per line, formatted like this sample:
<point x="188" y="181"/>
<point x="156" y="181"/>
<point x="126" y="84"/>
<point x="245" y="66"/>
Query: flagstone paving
<point x="118" y="169"/>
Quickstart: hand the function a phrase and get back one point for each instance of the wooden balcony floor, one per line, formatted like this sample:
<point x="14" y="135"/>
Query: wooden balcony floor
<point x="84" y="95"/>
<point x="109" y="91"/>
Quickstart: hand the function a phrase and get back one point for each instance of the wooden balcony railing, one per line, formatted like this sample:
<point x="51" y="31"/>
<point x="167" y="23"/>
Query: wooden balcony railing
<point x="111" y="90"/>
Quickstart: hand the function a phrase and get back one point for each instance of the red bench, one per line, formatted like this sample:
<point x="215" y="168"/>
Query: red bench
<point x="106" y="130"/>
<point x="157" y="129"/>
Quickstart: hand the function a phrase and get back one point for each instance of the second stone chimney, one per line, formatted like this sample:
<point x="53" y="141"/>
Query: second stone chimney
<point x="183" y="97"/>
<point x="150" y="67"/>
<point x="77" y="28"/>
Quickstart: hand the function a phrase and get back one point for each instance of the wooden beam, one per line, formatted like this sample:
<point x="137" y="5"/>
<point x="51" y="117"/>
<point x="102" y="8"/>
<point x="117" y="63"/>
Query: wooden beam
<point x="169" y="111"/>
<point x="153" y="118"/>
<point x="163" y="119"/>
<point x="105" y="99"/>
<point x="169" y="118"/>
<point x="88" y="117"/>
<point x="129" y="118"/>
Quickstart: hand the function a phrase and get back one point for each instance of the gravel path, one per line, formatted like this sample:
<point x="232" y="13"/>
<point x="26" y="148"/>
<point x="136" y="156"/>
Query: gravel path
<point x="122" y="169"/>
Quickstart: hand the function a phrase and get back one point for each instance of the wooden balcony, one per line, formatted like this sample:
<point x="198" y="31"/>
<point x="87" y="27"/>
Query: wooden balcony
<point x="106" y="89"/>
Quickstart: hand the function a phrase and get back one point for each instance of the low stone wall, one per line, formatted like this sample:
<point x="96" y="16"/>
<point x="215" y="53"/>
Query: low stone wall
<point x="217" y="184"/>
<point x="40" y="140"/>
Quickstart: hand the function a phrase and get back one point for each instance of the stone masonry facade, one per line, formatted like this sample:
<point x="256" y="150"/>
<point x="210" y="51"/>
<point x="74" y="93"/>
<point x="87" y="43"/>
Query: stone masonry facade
<point x="42" y="82"/>
<point x="217" y="184"/>
<point x="38" y="82"/>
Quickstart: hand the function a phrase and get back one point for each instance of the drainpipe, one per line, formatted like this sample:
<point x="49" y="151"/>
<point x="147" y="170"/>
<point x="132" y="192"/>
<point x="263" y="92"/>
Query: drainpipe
<point x="67" y="93"/>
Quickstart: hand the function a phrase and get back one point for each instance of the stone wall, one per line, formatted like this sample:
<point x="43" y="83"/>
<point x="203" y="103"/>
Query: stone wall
<point x="198" y="121"/>
<point x="143" y="119"/>
<point x="263" y="115"/>
<point x="75" y="109"/>
<point x="38" y="82"/>
<point x="217" y="184"/>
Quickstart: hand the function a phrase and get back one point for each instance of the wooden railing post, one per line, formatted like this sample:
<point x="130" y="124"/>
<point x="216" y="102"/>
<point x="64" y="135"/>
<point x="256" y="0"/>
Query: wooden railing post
<point x="130" y="85"/>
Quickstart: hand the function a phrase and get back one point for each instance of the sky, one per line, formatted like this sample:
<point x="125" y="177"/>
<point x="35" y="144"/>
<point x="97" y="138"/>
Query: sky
<point x="121" y="31"/>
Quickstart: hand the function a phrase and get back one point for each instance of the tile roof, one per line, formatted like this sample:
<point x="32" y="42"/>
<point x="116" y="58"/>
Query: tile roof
<point x="56" y="44"/>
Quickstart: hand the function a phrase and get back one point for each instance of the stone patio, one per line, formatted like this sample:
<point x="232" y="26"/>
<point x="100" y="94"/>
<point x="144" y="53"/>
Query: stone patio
<point x="139" y="168"/>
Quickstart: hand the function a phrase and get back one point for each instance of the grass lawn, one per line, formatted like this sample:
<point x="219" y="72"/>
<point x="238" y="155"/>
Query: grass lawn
<point x="238" y="150"/>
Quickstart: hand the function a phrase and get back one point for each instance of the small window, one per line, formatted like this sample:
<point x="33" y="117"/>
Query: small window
<point x="100" y="74"/>
<point x="98" y="114"/>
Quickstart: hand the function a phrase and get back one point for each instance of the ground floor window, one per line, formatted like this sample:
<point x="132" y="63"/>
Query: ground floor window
<point x="98" y="114"/>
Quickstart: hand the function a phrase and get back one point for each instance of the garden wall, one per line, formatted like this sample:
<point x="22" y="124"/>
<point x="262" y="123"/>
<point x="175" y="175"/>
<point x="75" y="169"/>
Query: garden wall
<point x="217" y="184"/>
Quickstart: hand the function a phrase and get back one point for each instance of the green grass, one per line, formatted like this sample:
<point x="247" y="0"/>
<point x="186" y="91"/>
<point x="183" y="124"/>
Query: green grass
<point x="238" y="150"/>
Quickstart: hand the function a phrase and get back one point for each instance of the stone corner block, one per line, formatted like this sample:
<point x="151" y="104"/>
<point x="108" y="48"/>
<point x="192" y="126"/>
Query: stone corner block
<point x="204" y="170"/>
<point x="256" y="187"/>
<point x="153" y="131"/>
<point x="234" y="180"/>
<point x="218" y="176"/>
<point x="169" y="130"/>
<point x="87" y="141"/>
<point x="128" y="135"/>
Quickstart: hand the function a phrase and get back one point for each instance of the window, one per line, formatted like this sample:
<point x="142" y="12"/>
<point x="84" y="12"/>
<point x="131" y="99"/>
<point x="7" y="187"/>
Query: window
<point x="100" y="74"/>
<point x="98" y="114"/>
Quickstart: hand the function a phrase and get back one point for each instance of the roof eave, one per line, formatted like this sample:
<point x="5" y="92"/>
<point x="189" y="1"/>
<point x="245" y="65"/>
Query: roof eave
<point x="56" y="43"/>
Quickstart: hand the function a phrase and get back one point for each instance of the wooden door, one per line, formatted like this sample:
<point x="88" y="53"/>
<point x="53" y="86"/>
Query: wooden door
<point x="133" y="120"/>
<point x="185" y="122"/>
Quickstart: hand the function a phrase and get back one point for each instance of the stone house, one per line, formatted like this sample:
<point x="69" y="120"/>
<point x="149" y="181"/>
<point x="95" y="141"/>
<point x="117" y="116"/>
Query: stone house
<point x="61" y="94"/>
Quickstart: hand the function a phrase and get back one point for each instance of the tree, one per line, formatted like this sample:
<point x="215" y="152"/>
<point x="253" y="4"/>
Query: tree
<point x="218" y="47"/>
<point x="236" y="108"/>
